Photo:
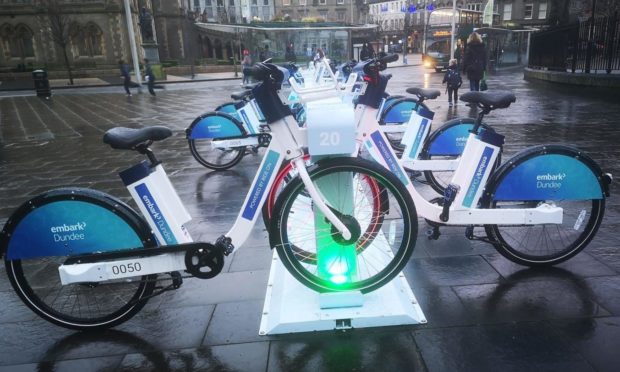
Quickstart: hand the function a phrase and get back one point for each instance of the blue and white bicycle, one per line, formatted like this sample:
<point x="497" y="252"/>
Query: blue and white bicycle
<point x="82" y="259"/>
<point x="541" y="207"/>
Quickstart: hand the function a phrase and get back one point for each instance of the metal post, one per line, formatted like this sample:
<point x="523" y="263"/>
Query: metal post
<point x="590" y="37"/>
<point x="132" y="43"/>
<point x="453" y="29"/>
<point x="351" y="11"/>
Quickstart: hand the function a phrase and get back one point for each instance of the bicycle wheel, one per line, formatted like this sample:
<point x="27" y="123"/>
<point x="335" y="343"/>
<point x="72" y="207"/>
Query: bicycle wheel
<point x="571" y="181"/>
<point x="355" y="189"/>
<point x="447" y="143"/>
<point x="45" y="231"/>
<point x="210" y="127"/>
<point x="381" y="205"/>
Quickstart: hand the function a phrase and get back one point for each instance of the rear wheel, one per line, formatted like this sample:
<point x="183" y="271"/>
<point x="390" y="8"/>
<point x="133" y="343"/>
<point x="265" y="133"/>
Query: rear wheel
<point x="379" y="247"/>
<point x="32" y="262"/>
<point x="549" y="244"/>
<point x="553" y="175"/>
<point x="213" y="157"/>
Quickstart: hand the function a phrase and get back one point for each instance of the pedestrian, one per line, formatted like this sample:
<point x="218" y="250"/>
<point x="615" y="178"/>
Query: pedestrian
<point x="125" y="76"/>
<point x="453" y="81"/>
<point x="364" y="53"/>
<point x="475" y="60"/>
<point x="149" y="77"/>
<point x="318" y="57"/>
<point x="246" y="63"/>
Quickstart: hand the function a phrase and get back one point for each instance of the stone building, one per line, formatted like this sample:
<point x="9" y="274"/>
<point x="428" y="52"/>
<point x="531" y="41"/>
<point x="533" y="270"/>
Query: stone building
<point x="97" y="35"/>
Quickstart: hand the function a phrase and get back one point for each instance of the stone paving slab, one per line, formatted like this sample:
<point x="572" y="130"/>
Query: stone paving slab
<point x="484" y="312"/>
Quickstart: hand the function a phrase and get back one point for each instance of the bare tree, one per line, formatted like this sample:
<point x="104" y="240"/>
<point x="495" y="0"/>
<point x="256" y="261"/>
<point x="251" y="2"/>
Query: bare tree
<point x="59" y="24"/>
<point x="558" y="12"/>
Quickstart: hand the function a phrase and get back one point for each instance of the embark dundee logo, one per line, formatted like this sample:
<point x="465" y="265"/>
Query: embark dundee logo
<point x="550" y="180"/>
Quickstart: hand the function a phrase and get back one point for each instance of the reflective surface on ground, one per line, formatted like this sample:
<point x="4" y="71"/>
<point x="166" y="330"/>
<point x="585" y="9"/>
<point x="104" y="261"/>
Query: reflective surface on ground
<point x="484" y="312"/>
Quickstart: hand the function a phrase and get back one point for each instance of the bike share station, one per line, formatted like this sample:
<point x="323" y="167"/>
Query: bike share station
<point x="291" y="307"/>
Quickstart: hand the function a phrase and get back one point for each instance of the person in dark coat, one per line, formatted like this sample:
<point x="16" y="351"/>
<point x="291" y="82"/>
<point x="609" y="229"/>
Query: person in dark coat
<point x="149" y="76"/>
<point x="125" y="75"/>
<point x="475" y="61"/>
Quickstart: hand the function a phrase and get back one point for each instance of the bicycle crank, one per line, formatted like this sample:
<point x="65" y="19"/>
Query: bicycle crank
<point x="204" y="262"/>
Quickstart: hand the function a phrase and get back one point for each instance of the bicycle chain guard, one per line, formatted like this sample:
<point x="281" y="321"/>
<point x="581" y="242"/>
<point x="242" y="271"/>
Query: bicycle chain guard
<point x="204" y="262"/>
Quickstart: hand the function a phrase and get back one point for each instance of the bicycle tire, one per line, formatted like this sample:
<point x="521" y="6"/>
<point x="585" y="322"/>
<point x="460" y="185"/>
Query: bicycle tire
<point x="459" y="128"/>
<point x="32" y="261"/>
<point x="379" y="261"/>
<point x="546" y="244"/>
<point x="286" y="175"/>
<point x="201" y="146"/>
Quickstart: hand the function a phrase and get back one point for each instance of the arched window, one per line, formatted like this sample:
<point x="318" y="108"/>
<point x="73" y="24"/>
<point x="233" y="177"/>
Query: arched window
<point x="93" y="40"/>
<point x="86" y="41"/>
<point x="18" y="41"/>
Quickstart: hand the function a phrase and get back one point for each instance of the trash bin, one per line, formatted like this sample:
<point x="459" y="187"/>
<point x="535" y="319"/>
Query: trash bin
<point x="41" y="83"/>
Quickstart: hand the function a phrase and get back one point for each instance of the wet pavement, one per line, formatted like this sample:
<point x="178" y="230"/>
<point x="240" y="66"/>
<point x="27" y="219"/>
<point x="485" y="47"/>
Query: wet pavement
<point x="484" y="312"/>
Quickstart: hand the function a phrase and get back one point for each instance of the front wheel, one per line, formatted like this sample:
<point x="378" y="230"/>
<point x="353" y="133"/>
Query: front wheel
<point x="355" y="190"/>
<point x="45" y="231"/>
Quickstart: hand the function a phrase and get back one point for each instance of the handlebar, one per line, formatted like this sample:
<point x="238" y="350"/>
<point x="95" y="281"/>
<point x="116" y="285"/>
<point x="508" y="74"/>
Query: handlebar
<point x="388" y="58"/>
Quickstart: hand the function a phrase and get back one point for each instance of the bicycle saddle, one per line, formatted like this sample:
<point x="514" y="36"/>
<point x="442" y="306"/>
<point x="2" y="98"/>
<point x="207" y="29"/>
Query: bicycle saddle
<point x="129" y="138"/>
<point x="424" y="93"/>
<point x="238" y="96"/>
<point x="491" y="100"/>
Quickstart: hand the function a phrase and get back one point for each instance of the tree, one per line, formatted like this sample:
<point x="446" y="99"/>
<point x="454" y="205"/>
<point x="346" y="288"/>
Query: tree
<point x="558" y="12"/>
<point x="59" y="25"/>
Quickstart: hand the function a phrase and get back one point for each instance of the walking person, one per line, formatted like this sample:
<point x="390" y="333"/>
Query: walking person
<point x="475" y="60"/>
<point x="125" y="76"/>
<point x="453" y="80"/>
<point x="149" y="77"/>
<point x="246" y="63"/>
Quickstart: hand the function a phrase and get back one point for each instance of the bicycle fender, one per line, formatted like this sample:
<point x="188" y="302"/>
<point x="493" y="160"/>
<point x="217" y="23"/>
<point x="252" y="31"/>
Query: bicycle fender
<point x="547" y="172"/>
<point x="71" y="221"/>
<point x="215" y="124"/>
<point x="231" y="108"/>
<point x="399" y="110"/>
<point x="450" y="138"/>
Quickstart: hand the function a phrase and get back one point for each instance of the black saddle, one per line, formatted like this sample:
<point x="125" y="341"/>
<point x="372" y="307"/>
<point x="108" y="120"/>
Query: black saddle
<point x="490" y="100"/>
<point x="238" y="96"/>
<point x="128" y="138"/>
<point x="424" y="93"/>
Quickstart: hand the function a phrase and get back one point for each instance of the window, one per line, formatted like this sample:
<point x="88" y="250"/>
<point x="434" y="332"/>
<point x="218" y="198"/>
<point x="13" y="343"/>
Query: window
<point x="286" y="2"/>
<point x="542" y="11"/>
<point x="475" y="6"/>
<point x="340" y="1"/>
<point x="86" y="41"/>
<point x="507" y="12"/>
<point x="341" y="16"/>
<point x="207" y="2"/>
<point x="302" y="2"/>
<point x="18" y="40"/>
<point x="265" y="2"/>
<point x="322" y="2"/>
<point x="323" y="14"/>
<point x="529" y="9"/>
<point x="231" y="2"/>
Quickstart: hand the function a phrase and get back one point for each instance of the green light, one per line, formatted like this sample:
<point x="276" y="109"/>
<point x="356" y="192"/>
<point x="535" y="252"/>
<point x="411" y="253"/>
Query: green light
<point x="337" y="262"/>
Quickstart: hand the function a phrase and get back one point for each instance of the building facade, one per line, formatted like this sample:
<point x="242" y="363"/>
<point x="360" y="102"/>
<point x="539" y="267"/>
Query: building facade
<point x="96" y="32"/>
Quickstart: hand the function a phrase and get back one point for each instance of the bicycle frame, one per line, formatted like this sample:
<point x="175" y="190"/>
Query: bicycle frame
<point x="471" y="175"/>
<point x="166" y="215"/>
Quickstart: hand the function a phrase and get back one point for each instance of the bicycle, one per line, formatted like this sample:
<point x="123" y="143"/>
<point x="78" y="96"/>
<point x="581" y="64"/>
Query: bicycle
<point x="218" y="140"/>
<point x="541" y="207"/>
<point x="82" y="259"/>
